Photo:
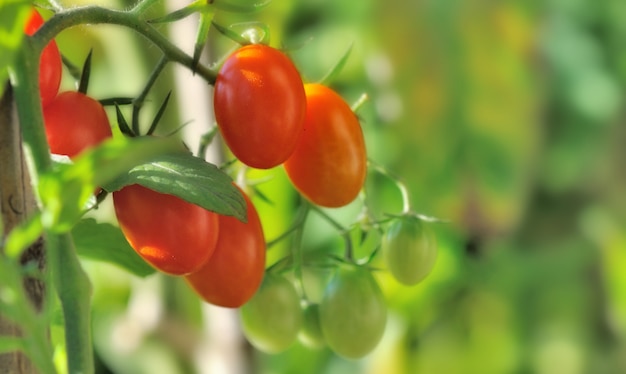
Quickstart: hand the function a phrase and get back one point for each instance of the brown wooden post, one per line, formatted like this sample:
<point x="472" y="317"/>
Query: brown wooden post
<point x="17" y="203"/>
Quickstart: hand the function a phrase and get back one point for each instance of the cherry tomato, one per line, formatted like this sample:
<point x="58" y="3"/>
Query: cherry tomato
<point x="410" y="250"/>
<point x="311" y="332"/>
<point x="174" y="236"/>
<point x="50" y="65"/>
<point x="329" y="164"/>
<point x="235" y="270"/>
<point x="353" y="314"/>
<point x="272" y="318"/>
<point x="259" y="105"/>
<point x="75" y="122"/>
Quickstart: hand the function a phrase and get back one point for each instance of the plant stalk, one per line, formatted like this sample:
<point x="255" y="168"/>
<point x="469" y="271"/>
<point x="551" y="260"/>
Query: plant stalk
<point x="68" y="277"/>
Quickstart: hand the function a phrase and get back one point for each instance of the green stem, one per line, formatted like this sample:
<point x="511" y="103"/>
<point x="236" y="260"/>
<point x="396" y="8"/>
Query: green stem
<point x="97" y="15"/>
<point x="69" y="279"/>
<point x="342" y="230"/>
<point x="74" y="290"/>
<point x="406" y="203"/>
<point x="297" y="225"/>
<point x="297" y="248"/>
<point x="359" y="102"/>
<point x="205" y="142"/>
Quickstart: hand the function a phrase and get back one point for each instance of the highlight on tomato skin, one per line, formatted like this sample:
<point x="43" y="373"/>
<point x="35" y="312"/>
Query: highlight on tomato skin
<point x="50" y="64"/>
<point x="74" y="122"/>
<point x="235" y="270"/>
<point x="174" y="236"/>
<point x="329" y="164"/>
<point x="259" y="105"/>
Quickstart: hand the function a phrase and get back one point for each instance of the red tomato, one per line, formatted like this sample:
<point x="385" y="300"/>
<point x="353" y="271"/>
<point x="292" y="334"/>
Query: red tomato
<point x="235" y="271"/>
<point x="259" y="105"/>
<point x="75" y="122"/>
<point x="174" y="236"/>
<point x="330" y="163"/>
<point x="50" y="65"/>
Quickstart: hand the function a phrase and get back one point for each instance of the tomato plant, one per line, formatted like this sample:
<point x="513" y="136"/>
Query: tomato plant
<point x="50" y="65"/>
<point x="171" y="234"/>
<point x="329" y="164"/>
<point x="75" y="122"/>
<point x="178" y="213"/>
<point x="272" y="318"/>
<point x="235" y="270"/>
<point x="353" y="313"/>
<point x="259" y="105"/>
<point x="409" y="250"/>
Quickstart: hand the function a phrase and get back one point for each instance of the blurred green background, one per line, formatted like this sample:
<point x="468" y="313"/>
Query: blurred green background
<point x="505" y="118"/>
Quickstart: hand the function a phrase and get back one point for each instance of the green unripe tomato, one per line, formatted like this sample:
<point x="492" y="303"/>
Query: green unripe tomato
<point x="272" y="319"/>
<point x="410" y="250"/>
<point x="353" y="313"/>
<point x="311" y="333"/>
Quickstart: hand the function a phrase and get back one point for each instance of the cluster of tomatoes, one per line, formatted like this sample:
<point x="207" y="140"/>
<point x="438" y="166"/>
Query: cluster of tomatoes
<point x="268" y="117"/>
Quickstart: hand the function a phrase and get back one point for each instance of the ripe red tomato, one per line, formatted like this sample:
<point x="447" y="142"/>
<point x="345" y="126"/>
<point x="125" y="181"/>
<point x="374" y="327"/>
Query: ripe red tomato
<point x="329" y="163"/>
<point x="50" y="65"/>
<point x="259" y="105"/>
<point x="174" y="236"/>
<point x="235" y="271"/>
<point x="75" y="122"/>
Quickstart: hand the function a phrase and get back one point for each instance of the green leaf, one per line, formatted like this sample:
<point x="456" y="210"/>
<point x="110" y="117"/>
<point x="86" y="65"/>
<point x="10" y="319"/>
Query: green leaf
<point x="189" y="178"/>
<point x="334" y="72"/>
<point x="65" y="190"/>
<point x="13" y="16"/>
<point x="106" y="242"/>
